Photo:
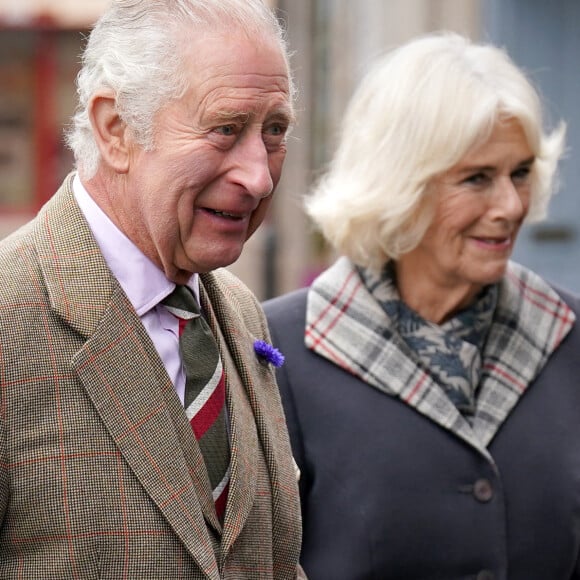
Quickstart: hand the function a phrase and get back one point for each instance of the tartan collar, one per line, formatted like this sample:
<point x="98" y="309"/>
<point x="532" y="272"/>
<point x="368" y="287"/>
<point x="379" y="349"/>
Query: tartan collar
<point x="451" y="352"/>
<point x="347" y="326"/>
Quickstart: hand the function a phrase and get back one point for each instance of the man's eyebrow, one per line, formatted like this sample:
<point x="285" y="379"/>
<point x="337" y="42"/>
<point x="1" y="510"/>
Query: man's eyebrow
<point x="225" y="116"/>
<point x="285" y="114"/>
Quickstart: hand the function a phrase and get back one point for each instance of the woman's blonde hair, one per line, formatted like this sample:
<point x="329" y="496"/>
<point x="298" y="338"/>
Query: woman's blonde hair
<point x="415" y="114"/>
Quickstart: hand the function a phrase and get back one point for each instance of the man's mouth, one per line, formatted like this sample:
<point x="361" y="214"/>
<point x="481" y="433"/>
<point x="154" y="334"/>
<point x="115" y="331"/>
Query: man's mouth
<point x="225" y="214"/>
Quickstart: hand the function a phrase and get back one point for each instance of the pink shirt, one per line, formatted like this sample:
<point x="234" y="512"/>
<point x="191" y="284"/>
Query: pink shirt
<point x="143" y="282"/>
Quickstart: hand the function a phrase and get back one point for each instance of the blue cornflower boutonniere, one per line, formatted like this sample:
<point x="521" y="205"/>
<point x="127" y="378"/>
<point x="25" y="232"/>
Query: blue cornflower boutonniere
<point x="268" y="353"/>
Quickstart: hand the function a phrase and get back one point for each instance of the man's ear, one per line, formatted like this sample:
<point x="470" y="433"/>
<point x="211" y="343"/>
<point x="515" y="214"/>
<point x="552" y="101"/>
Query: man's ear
<point x="110" y="132"/>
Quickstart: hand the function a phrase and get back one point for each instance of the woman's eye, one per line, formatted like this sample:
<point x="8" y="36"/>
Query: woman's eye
<point x="477" y="179"/>
<point x="521" y="174"/>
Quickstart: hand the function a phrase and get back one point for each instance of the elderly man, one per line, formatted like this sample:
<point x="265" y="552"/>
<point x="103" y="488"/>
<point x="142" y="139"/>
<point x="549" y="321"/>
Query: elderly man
<point x="140" y="438"/>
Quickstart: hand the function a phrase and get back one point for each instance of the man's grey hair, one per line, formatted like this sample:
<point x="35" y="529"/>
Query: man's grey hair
<point x="135" y="53"/>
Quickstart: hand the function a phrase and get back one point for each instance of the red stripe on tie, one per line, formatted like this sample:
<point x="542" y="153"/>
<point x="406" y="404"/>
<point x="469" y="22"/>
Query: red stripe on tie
<point x="221" y="501"/>
<point x="182" y="323"/>
<point x="210" y="411"/>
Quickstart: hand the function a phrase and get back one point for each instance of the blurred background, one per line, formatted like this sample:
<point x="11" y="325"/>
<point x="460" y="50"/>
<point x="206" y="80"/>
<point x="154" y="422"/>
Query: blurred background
<point x="333" y="42"/>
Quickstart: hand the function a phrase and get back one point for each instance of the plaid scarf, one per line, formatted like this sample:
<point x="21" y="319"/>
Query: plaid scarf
<point x="450" y="352"/>
<point x="346" y="323"/>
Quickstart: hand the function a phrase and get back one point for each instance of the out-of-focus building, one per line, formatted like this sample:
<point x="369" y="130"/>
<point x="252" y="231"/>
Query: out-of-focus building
<point x="39" y="50"/>
<point x="333" y="42"/>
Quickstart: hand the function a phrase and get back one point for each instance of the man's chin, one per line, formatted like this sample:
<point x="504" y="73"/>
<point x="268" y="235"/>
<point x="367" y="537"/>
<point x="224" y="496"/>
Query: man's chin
<point x="203" y="264"/>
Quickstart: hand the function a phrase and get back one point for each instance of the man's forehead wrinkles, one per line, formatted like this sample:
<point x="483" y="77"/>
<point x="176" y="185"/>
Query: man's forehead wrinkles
<point x="236" y="103"/>
<point x="233" y="81"/>
<point x="244" y="91"/>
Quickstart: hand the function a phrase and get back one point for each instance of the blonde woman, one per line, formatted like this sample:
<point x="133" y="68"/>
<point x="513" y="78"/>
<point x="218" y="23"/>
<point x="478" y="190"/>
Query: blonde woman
<point x="431" y="384"/>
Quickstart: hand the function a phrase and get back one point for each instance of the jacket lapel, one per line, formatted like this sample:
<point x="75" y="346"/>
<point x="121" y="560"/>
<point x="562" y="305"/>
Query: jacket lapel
<point x="244" y="443"/>
<point x="530" y="323"/>
<point x="121" y="371"/>
<point x="258" y="424"/>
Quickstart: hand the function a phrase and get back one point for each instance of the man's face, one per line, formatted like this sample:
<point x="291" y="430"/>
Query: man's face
<point x="218" y="153"/>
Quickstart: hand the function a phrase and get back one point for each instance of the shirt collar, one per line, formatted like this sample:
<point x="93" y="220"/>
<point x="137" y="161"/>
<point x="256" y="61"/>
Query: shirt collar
<point x="142" y="281"/>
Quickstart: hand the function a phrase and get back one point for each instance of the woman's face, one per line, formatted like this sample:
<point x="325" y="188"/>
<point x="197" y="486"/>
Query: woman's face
<point x="479" y="207"/>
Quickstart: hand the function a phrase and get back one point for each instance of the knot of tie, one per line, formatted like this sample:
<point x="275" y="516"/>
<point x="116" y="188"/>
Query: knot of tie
<point x="197" y="345"/>
<point x="182" y="303"/>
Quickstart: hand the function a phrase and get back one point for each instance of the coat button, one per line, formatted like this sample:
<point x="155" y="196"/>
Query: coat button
<point x="485" y="575"/>
<point x="483" y="491"/>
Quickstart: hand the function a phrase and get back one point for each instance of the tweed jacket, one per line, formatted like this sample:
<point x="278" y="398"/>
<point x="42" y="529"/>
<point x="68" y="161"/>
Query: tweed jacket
<point x="100" y="474"/>
<point x="394" y="485"/>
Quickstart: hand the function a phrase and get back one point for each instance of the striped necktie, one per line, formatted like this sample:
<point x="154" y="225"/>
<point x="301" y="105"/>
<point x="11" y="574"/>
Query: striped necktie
<point x="205" y="392"/>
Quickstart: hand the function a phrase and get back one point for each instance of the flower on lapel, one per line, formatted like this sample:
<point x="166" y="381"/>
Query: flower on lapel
<point x="268" y="353"/>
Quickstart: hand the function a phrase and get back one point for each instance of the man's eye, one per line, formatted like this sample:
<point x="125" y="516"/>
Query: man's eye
<point x="275" y="134"/>
<point x="277" y="130"/>
<point x="227" y="130"/>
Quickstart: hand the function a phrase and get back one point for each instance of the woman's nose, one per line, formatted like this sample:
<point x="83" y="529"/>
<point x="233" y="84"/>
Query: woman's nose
<point x="509" y="200"/>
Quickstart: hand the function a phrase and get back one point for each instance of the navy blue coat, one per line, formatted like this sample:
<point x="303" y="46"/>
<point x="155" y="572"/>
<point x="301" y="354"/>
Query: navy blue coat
<point x="388" y="494"/>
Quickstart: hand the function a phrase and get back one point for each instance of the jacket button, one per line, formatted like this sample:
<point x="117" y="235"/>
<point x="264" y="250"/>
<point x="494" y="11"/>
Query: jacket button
<point x="485" y="575"/>
<point x="483" y="492"/>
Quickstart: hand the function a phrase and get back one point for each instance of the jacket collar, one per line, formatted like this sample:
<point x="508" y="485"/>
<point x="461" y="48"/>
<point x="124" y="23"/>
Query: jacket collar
<point x="345" y="325"/>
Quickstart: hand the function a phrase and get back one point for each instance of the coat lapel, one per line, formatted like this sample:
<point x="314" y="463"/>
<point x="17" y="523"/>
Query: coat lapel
<point x="342" y="318"/>
<point x="258" y="425"/>
<point x="244" y="443"/>
<point x="530" y="323"/>
<point x="346" y="325"/>
<point x="121" y="371"/>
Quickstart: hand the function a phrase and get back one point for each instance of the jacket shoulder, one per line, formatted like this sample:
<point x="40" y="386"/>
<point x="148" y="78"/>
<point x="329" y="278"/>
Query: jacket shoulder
<point x="233" y="300"/>
<point x="223" y="283"/>
<point x="19" y="264"/>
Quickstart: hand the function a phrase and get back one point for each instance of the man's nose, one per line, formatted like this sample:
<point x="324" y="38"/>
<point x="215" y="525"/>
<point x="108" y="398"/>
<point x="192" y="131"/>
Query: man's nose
<point x="253" y="168"/>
